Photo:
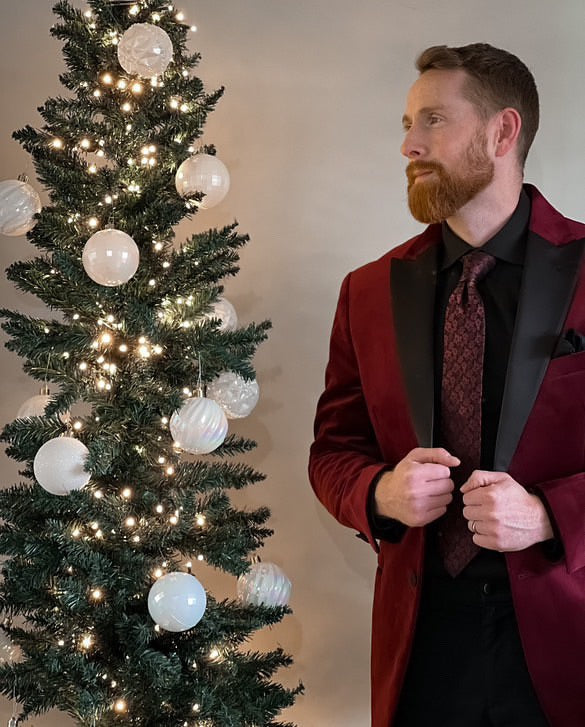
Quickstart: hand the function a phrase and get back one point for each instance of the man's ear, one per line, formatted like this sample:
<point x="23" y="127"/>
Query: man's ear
<point x="509" y="123"/>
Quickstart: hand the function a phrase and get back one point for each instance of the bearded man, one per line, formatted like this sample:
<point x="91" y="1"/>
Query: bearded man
<point x="451" y="430"/>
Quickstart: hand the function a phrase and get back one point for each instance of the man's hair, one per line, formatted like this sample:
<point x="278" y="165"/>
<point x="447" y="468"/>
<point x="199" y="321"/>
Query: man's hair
<point x="496" y="80"/>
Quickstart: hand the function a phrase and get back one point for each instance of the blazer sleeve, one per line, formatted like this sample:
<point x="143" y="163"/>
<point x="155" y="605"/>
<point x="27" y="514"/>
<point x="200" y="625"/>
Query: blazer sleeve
<point x="345" y="461"/>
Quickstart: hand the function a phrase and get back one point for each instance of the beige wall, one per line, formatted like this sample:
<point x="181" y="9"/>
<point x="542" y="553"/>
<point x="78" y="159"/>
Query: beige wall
<point x="310" y="130"/>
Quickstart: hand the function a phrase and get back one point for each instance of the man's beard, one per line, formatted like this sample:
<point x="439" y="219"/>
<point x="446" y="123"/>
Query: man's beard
<point x="440" y="196"/>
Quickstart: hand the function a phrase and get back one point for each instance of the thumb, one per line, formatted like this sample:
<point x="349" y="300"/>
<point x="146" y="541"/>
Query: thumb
<point x="480" y="478"/>
<point x="434" y="455"/>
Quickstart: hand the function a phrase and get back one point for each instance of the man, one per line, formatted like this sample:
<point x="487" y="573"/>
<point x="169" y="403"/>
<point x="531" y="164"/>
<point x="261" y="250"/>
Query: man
<point x="451" y="432"/>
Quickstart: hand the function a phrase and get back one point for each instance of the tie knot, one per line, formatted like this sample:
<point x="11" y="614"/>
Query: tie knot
<point x="476" y="265"/>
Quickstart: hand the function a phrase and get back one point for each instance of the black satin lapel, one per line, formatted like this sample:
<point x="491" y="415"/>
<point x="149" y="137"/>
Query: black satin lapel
<point x="413" y="284"/>
<point x="550" y="275"/>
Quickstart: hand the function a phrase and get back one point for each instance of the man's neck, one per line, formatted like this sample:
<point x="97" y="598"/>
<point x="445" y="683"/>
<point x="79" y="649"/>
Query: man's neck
<point x="485" y="215"/>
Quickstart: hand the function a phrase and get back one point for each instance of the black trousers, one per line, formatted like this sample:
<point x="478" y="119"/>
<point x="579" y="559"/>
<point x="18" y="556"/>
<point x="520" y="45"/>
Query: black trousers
<point x="467" y="667"/>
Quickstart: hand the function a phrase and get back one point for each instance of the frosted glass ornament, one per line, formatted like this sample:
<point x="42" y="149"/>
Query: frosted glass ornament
<point x="265" y="584"/>
<point x="199" y="426"/>
<point x="203" y="173"/>
<point x="9" y="652"/>
<point x="145" y="50"/>
<point x="59" y="465"/>
<point x="36" y="405"/>
<point x="19" y="203"/>
<point x="236" y="396"/>
<point x="226" y="313"/>
<point x="110" y="257"/>
<point x="177" y="601"/>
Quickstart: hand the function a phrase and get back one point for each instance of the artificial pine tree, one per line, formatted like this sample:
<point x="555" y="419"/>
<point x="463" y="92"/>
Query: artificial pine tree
<point x="79" y="567"/>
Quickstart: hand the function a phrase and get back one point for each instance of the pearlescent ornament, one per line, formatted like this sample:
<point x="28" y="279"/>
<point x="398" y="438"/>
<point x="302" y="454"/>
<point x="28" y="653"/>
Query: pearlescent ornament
<point x="177" y="601"/>
<point x="203" y="173"/>
<point x="19" y="203"/>
<point x="110" y="257"/>
<point x="59" y="465"/>
<point x="145" y="50"/>
<point x="236" y="396"/>
<point x="226" y="313"/>
<point x="36" y="405"/>
<point x="199" y="426"/>
<point x="265" y="584"/>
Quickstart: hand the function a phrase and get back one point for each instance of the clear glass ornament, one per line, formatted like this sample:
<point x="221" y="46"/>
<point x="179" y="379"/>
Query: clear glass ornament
<point x="265" y="584"/>
<point x="19" y="203"/>
<point x="110" y="257"/>
<point x="9" y="652"/>
<point x="203" y="173"/>
<point x="145" y="50"/>
<point x="199" y="426"/>
<point x="59" y="465"/>
<point x="177" y="601"/>
<point x="236" y="396"/>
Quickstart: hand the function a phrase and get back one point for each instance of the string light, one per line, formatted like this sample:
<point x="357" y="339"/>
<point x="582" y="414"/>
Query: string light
<point x="134" y="10"/>
<point x="126" y="493"/>
<point x="93" y="222"/>
<point x="200" y="520"/>
<point x="159" y="508"/>
<point x="137" y="87"/>
<point x="122" y="84"/>
<point x="57" y="143"/>
<point x="97" y="93"/>
<point x="158" y="573"/>
<point x="86" y="642"/>
<point x="120" y="706"/>
<point x="96" y="594"/>
<point x="130" y="522"/>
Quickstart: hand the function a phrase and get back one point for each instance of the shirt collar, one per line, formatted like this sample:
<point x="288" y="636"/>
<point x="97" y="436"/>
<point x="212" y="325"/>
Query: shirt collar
<point x="508" y="244"/>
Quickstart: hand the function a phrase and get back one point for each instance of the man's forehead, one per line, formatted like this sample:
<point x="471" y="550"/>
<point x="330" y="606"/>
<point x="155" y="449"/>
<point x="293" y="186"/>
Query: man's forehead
<point x="436" y="88"/>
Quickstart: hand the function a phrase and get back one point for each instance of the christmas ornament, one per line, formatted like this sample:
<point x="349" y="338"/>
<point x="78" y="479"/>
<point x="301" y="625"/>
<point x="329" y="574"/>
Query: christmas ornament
<point x="19" y="203"/>
<point x="177" y="601"/>
<point x="110" y="257"/>
<point x="13" y="722"/>
<point x="35" y="406"/>
<point x="203" y="173"/>
<point x="145" y="50"/>
<point x="265" y="584"/>
<point x="236" y="396"/>
<point x="9" y="652"/>
<point x="199" y="426"/>
<point x="226" y="313"/>
<point x="59" y="465"/>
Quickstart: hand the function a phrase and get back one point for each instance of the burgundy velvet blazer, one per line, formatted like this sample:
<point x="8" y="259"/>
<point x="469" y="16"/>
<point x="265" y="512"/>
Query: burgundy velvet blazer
<point x="378" y="405"/>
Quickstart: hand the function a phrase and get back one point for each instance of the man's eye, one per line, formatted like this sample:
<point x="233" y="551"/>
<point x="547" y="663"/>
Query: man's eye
<point x="434" y="119"/>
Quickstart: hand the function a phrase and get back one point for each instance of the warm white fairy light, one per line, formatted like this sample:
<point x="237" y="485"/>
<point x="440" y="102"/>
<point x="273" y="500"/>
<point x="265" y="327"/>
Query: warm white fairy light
<point x="76" y="316"/>
<point x="159" y="508"/>
<point x="157" y="628"/>
<point x="120" y="706"/>
<point x="101" y="153"/>
<point x="193" y="28"/>
<point x="57" y="143"/>
<point x="126" y="493"/>
<point x="96" y="594"/>
<point x="92" y="169"/>
<point x="170" y="470"/>
<point x="165" y="420"/>
<point x="99" y="534"/>
<point x="196" y="707"/>
<point x="98" y="494"/>
<point x="184" y="107"/>
<point x="136" y="538"/>
<point x="88" y="14"/>
<point x="123" y="348"/>
<point x="122" y="84"/>
<point x="126" y="107"/>
<point x="200" y="520"/>
<point x="137" y="87"/>
<point x="173" y="103"/>
<point x="166" y="264"/>
<point x="200" y="558"/>
<point x="97" y="93"/>
<point x="61" y="642"/>
<point x="155" y="17"/>
<point x="214" y="654"/>
<point x="76" y="532"/>
<point x="134" y="10"/>
<point x="93" y="222"/>
<point x="180" y="16"/>
<point x="106" y="338"/>
<point x="158" y="572"/>
<point x="85" y="143"/>
<point x="101" y="360"/>
<point x="78" y="426"/>
<point x="130" y="522"/>
<point x="86" y="641"/>
<point x="173" y="519"/>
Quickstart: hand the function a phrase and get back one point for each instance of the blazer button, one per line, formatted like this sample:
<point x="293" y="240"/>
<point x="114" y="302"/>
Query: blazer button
<point x="413" y="579"/>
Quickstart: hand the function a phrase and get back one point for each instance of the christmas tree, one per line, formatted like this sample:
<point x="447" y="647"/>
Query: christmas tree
<point x="120" y="502"/>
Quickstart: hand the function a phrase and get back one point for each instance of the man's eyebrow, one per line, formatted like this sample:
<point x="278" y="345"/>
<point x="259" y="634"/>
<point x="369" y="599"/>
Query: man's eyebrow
<point x="426" y="110"/>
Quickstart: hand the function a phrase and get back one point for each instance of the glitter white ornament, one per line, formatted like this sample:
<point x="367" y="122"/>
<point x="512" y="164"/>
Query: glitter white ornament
<point x="203" y="173"/>
<point x="265" y="584"/>
<point x="199" y="426"/>
<point x="177" y="601"/>
<point x="19" y="203"/>
<point x="36" y="405"/>
<point x="59" y="465"/>
<point x="110" y="257"/>
<point x="226" y="313"/>
<point x="236" y="396"/>
<point x="145" y="50"/>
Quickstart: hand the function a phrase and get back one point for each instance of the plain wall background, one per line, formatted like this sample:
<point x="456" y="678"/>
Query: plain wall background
<point x="310" y="130"/>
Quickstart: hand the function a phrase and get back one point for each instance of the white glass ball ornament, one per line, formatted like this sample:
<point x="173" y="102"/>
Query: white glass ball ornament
<point x="110" y="257"/>
<point x="226" y="313"/>
<point x="19" y="203"/>
<point x="203" y="173"/>
<point x="177" y="601"/>
<point x="59" y="465"/>
<point x="236" y="396"/>
<point x="199" y="426"/>
<point x="145" y="50"/>
<point x="265" y="584"/>
<point x="36" y="405"/>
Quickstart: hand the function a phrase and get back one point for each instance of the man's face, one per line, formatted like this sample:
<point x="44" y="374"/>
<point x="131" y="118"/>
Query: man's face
<point x="446" y="143"/>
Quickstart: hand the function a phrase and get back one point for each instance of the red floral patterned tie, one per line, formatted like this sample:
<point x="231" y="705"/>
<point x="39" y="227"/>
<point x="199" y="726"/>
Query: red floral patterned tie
<point x="461" y="393"/>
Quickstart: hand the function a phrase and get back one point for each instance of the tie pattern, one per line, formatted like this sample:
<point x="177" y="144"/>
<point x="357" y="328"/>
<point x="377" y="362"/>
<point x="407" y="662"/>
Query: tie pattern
<point x="461" y="398"/>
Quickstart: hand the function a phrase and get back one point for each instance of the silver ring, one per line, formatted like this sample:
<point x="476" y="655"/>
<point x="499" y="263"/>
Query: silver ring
<point x="474" y="526"/>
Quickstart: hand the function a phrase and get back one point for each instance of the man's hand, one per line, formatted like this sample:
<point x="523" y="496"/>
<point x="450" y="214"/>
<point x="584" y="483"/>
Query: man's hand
<point x="502" y="515"/>
<point x="418" y="489"/>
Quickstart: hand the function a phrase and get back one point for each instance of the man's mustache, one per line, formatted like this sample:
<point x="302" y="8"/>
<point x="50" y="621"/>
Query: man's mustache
<point x="415" y="168"/>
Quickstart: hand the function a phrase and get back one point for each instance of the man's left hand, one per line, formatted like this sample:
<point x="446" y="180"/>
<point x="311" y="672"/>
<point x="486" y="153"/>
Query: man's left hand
<point x="502" y="515"/>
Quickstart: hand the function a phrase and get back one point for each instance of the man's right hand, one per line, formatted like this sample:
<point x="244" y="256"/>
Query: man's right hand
<point x="418" y="490"/>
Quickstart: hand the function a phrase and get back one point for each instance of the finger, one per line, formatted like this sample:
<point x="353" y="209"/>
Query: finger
<point x="485" y="541"/>
<point x="482" y="478"/>
<point x="431" y="471"/>
<point x="441" y="500"/>
<point x="472" y="512"/>
<point x="438" y="455"/>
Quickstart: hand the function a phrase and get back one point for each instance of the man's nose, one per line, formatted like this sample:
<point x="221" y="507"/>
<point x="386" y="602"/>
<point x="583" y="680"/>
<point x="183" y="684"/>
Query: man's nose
<point x="412" y="146"/>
